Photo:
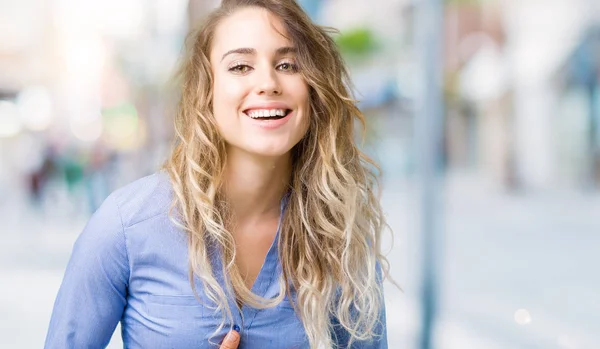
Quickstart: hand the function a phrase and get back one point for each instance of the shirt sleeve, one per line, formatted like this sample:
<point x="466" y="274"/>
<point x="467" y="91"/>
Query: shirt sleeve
<point x="92" y="296"/>
<point x="341" y="337"/>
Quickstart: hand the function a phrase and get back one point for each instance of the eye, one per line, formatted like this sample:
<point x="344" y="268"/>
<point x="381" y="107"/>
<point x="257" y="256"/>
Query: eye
<point x="288" y="67"/>
<point x="240" y="68"/>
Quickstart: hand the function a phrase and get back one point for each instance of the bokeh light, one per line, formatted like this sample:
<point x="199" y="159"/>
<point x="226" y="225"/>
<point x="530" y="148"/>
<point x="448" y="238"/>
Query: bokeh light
<point x="522" y="317"/>
<point x="122" y="127"/>
<point x="87" y="129"/>
<point x="10" y="123"/>
<point x="35" y="108"/>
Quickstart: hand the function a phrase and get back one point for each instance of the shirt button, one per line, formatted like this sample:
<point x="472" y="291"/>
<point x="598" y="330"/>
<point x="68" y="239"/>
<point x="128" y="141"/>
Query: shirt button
<point x="236" y="328"/>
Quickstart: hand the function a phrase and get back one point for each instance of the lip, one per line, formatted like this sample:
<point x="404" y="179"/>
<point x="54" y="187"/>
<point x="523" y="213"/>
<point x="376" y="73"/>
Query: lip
<point x="269" y="105"/>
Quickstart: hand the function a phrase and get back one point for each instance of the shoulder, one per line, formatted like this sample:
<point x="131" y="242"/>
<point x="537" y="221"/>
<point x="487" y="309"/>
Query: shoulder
<point x="143" y="199"/>
<point x="105" y="240"/>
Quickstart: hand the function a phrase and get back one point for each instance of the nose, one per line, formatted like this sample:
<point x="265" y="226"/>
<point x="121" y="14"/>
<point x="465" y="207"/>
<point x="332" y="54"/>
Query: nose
<point x="268" y="83"/>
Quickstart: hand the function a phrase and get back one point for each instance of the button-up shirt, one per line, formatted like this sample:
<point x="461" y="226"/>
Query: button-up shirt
<point x="130" y="265"/>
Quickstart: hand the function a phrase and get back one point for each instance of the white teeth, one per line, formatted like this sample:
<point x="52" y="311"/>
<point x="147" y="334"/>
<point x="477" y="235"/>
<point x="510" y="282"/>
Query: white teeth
<point x="262" y="113"/>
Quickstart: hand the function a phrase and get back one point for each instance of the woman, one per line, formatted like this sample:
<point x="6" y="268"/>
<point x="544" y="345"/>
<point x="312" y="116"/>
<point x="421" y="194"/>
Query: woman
<point x="264" y="223"/>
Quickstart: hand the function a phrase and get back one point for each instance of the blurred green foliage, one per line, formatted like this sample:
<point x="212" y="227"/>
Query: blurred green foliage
<point x="357" y="42"/>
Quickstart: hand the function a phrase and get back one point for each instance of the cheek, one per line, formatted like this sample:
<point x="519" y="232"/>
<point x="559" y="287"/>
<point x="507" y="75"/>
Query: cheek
<point x="301" y="94"/>
<point x="223" y="106"/>
<point x="227" y="96"/>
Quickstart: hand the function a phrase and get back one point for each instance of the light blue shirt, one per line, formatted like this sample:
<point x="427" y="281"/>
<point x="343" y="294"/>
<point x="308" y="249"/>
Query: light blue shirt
<point x="130" y="264"/>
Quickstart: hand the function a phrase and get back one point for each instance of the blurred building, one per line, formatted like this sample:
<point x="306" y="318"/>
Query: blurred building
<point x="92" y="82"/>
<point x="578" y="129"/>
<point x="503" y="101"/>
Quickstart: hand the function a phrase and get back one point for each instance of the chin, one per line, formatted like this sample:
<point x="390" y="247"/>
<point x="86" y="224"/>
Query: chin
<point x="269" y="150"/>
<point x="271" y="153"/>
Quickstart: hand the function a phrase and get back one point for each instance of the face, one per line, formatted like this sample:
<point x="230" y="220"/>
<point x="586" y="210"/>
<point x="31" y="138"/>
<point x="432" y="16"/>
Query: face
<point x="260" y="100"/>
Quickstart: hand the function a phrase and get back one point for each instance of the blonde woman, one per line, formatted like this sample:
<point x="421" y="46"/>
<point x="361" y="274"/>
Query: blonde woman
<point x="263" y="229"/>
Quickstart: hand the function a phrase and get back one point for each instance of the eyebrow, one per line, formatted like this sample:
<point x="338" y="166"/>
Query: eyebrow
<point x="250" y="51"/>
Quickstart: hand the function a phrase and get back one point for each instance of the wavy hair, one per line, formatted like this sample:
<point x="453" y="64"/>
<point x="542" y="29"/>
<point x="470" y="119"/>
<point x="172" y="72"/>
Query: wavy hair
<point x="329" y="240"/>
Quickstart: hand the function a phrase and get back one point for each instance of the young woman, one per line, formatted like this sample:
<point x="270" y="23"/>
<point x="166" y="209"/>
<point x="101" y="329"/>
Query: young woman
<point x="264" y="223"/>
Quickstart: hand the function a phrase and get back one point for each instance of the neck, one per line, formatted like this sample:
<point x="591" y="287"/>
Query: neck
<point x="255" y="185"/>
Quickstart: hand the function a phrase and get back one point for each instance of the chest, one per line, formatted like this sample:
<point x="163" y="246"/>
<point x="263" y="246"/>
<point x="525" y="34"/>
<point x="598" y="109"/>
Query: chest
<point x="162" y="311"/>
<point x="252" y="246"/>
<point x="161" y="321"/>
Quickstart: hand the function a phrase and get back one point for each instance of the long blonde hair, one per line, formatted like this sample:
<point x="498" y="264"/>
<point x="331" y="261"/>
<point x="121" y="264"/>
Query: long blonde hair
<point x="329" y="240"/>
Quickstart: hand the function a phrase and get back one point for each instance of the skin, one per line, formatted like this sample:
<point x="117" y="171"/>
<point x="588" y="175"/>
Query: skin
<point x="258" y="165"/>
<point x="231" y="341"/>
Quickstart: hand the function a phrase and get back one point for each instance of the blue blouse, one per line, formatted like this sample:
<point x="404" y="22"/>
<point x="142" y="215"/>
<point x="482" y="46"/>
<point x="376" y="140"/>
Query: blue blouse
<point x="130" y="264"/>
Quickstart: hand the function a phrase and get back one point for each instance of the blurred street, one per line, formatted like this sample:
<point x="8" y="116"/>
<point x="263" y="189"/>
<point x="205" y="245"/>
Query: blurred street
<point x="493" y="265"/>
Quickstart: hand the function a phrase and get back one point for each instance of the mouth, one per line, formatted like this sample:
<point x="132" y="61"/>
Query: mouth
<point x="267" y="114"/>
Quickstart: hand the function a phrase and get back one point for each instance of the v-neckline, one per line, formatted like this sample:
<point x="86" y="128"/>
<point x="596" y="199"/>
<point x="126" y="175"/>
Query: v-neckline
<point x="266" y="274"/>
<point x="259" y="287"/>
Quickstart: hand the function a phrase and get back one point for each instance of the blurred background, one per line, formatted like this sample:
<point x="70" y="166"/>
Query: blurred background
<point x="86" y="103"/>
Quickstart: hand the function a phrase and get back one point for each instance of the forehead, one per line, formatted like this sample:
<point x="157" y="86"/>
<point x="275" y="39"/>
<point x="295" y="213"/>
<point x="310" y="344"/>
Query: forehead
<point x="250" y="27"/>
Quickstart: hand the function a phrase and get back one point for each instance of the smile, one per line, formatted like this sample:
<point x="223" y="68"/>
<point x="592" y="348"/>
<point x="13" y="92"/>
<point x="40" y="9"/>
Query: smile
<point x="267" y="114"/>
